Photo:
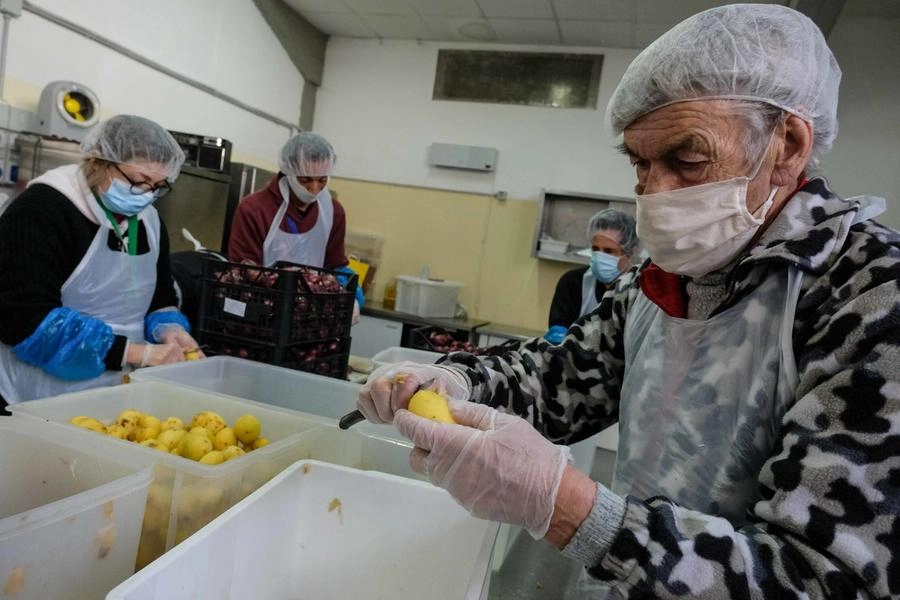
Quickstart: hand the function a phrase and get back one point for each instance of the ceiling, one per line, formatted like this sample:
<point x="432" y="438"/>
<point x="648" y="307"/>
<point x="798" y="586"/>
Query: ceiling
<point x="606" y="23"/>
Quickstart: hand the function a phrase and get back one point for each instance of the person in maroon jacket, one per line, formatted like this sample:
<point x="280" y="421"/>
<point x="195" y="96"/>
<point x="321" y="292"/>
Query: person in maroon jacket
<point x="294" y="218"/>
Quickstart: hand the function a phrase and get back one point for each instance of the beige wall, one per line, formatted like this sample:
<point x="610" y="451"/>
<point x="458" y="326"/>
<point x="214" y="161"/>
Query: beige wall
<point x="475" y="239"/>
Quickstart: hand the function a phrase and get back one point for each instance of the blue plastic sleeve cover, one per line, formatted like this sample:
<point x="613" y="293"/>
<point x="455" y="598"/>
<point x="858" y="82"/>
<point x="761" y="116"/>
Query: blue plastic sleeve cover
<point x="162" y="318"/>
<point x="555" y="334"/>
<point x="360" y="296"/>
<point x="68" y="345"/>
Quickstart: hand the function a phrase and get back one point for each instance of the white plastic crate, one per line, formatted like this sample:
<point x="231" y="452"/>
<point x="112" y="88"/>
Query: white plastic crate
<point x="397" y="354"/>
<point x="185" y="495"/>
<point x="427" y="297"/>
<point x="327" y="532"/>
<point x="70" y="514"/>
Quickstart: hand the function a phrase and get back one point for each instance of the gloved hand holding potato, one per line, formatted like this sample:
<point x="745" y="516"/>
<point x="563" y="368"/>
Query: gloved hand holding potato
<point x="495" y="465"/>
<point x="390" y="387"/>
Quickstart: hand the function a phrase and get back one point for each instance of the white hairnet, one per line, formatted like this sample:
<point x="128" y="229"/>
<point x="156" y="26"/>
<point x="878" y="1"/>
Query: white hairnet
<point x="615" y="220"/>
<point x="127" y="138"/>
<point x="307" y="154"/>
<point x="758" y="52"/>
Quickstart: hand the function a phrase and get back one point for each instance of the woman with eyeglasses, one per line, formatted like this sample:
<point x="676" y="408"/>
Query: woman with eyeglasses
<point x="86" y="289"/>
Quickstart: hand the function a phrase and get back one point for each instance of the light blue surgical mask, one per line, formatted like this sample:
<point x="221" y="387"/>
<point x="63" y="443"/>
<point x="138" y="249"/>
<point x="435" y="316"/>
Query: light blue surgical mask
<point x="605" y="267"/>
<point x="119" y="199"/>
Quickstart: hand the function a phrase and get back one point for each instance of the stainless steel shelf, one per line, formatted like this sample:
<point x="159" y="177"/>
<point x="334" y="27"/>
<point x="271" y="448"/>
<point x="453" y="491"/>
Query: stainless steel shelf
<point x="565" y="258"/>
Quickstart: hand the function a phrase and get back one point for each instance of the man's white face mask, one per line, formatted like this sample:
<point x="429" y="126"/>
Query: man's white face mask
<point x="696" y="230"/>
<point x="301" y="192"/>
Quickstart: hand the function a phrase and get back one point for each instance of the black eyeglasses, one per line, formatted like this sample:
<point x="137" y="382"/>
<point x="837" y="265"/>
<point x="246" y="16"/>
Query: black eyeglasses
<point x="142" y="187"/>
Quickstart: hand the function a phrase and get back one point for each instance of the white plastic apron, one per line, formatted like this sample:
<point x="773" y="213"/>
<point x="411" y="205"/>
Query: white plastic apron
<point x="108" y="285"/>
<point x="306" y="248"/>
<point x="702" y="400"/>
<point x="588" y="293"/>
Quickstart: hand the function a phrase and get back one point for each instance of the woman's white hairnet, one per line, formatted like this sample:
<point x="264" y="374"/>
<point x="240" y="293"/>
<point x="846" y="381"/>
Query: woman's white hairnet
<point x="307" y="154"/>
<point x="615" y="220"/>
<point x="758" y="52"/>
<point x="129" y="138"/>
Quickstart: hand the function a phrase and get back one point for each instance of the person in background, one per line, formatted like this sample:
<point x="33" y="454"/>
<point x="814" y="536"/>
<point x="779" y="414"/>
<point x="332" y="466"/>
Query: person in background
<point x="85" y="284"/>
<point x="295" y="218"/>
<point x="578" y="292"/>
<point x="753" y="366"/>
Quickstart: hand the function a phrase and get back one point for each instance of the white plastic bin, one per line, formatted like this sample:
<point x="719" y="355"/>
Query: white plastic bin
<point x="360" y="448"/>
<point x="70" y="514"/>
<point x="396" y="354"/>
<point x="327" y="532"/>
<point x="185" y="495"/>
<point x="285" y="388"/>
<point x="427" y="297"/>
<point x="277" y="386"/>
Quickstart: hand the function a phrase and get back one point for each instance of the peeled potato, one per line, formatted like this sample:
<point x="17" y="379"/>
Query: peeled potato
<point x="431" y="405"/>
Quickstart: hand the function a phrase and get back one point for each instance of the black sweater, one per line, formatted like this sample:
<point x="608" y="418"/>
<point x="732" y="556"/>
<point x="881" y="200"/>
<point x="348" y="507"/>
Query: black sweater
<point x="566" y="305"/>
<point x="43" y="237"/>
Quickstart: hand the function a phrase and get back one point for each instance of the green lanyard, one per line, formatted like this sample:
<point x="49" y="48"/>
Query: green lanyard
<point x="132" y="228"/>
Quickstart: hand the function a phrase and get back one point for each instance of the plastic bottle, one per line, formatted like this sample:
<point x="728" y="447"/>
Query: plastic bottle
<point x="390" y="295"/>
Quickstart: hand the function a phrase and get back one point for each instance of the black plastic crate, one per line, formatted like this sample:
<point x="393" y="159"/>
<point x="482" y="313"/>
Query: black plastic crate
<point x="438" y="339"/>
<point x="323" y="357"/>
<point x="284" y="305"/>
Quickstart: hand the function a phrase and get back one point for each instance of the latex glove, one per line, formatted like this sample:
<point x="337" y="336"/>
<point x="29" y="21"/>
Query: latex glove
<point x="497" y="466"/>
<point x="149" y="355"/>
<point x="390" y="387"/>
<point x="177" y="335"/>
<point x="355" y="319"/>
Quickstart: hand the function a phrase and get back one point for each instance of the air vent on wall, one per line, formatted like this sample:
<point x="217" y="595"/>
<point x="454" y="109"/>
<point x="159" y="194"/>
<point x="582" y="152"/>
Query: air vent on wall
<point x="454" y="156"/>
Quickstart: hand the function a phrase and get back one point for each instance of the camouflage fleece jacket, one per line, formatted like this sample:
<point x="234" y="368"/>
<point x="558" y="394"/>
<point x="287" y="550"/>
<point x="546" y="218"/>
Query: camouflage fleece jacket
<point x="828" y="524"/>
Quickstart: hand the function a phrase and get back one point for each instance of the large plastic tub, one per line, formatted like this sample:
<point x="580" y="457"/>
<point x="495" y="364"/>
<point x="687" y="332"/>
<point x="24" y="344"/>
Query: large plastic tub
<point x="185" y="494"/>
<point x="278" y="386"/>
<point x="327" y="532"/>
<point x="70" y="515"/>
<point x="285" y="388"/>
<point x="396" y="354"/>
<point x="360" y="448"/>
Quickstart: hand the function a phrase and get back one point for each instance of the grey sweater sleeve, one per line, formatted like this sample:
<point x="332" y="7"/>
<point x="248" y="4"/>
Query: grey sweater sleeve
<point x="596" y="534"/>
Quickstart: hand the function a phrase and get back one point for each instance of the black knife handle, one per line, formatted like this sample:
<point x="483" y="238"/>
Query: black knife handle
<point x="351" y="419"/>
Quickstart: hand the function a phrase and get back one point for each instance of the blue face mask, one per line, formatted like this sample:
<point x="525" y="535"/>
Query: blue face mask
<point x="119" y="199"/>
<point x="605" y="267"/>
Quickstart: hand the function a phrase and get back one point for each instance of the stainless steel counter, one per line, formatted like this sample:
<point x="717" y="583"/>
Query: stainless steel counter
<point x="512" y="332"/>
<point x="376" y="309"/>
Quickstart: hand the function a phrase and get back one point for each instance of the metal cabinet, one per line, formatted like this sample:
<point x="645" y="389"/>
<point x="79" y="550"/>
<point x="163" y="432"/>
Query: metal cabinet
<point x="372" y="335"/>
<point x="561" y="228"/>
